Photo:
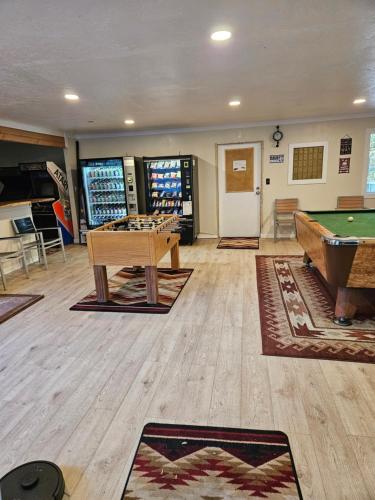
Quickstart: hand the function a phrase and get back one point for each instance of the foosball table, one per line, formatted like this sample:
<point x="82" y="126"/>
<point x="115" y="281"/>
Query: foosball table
<point x="134" y="241"/>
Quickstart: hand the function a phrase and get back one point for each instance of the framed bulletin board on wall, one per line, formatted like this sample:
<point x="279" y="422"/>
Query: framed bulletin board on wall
<point x="308" y="163"/>
<point x="239" y="170"/>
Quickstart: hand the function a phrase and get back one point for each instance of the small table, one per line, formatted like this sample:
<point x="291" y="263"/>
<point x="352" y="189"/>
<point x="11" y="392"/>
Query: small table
<point x="133" y="241"/>
<point x="344" y="253"/>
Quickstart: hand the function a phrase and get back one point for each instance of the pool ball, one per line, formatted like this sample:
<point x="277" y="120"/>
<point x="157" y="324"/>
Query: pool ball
<point x="350" y="219"/>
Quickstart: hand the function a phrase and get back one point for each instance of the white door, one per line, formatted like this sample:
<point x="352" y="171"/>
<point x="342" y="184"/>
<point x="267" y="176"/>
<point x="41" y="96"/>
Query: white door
<point x="239" y="189"/>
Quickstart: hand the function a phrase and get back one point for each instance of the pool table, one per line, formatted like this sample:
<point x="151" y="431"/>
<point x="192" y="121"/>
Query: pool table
<point x="344" y="253"/>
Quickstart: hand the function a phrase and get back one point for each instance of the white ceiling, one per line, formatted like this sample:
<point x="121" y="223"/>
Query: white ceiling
<point x="153" y="61"/>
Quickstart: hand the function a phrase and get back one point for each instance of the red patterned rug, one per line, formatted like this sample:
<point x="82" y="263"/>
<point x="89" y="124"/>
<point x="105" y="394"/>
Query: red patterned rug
<point x="239" y="243"/>
<point x="127" y="290"/>
<point x="211" y="463"/>
<point x="296" y="311"/>
<point x="12" y="304"/>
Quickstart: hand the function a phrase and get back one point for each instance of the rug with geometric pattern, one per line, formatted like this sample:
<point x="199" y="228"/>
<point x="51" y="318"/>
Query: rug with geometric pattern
<point x="127" y="292"/>
<point x="296" y="312"/>
<point x="239" y="243"/>
<point x="11" y="304"/>
<point x="176" y="462"/>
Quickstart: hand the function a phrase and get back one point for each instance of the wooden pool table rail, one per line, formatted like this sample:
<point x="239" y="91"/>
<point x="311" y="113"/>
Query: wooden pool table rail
<point x="347" y="264"/>
<point x="323" y="248"/>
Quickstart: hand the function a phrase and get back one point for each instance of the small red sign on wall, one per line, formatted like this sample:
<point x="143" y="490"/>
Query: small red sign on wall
<point x="344" y="165"/>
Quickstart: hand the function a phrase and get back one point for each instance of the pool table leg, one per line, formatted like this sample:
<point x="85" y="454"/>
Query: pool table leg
<point x="306" y="259"/>
<point x="345" y="306"/>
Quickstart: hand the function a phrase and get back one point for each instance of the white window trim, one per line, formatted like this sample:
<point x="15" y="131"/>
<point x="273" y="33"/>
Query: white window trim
<point x="323" y="179"/>
<point x="369" y="131"/>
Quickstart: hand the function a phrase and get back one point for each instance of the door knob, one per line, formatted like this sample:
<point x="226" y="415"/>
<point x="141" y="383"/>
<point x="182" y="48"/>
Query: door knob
<point x="257" y="190"/>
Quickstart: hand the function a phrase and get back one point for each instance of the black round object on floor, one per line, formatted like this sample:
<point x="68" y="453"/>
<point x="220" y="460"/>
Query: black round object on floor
<point x="38" y="480"/>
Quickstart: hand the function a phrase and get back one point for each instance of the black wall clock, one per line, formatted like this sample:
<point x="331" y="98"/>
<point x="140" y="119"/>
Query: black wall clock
<point x="277" y="135"/>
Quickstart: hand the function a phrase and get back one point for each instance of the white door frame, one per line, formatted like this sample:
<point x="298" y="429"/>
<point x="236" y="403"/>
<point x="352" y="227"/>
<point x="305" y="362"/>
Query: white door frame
<point x="260" y="178"/>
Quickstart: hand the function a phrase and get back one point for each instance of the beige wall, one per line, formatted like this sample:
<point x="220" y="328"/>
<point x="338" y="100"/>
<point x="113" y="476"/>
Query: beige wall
<point x="203" y="144"/>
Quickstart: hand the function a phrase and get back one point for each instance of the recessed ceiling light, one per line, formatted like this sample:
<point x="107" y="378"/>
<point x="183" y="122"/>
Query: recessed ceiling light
<point x="220" y="36"/>
<point x="235" y="102"/>
<point x="129" y="122"/>
<point x="71" y="97"/>
<point x="360" y="100"/>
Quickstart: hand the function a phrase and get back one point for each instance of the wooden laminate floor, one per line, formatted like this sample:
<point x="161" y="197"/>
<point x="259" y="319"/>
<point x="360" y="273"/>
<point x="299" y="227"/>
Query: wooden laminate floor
<point x="77" y="387"/>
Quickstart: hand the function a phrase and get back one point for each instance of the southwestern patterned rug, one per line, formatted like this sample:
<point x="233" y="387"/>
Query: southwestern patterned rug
<point x="127" y="291"/>
<point x="12" y="304"/>
<point x="239" y="243"/>
<point x="296" y="311"/>
<point x="211" y="463"/>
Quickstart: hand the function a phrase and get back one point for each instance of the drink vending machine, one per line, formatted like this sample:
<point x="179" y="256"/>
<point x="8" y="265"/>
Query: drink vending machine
<point x="110" y="188"/>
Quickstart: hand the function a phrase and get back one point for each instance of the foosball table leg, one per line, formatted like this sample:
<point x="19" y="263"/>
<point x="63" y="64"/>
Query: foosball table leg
<point x="101" y="283"/>
<point x="175" y="256"/>
<point x="151" y="273"/>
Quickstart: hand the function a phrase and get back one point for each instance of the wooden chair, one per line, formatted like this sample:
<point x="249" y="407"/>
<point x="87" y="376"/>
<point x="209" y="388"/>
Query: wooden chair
<point x="350" y="202"/>
<point x="284" y="214"/>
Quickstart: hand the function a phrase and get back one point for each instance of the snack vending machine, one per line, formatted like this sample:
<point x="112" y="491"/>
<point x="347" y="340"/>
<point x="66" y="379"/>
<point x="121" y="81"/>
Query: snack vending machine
<point x="111" y="188"/>
<point x="172" y="188"/>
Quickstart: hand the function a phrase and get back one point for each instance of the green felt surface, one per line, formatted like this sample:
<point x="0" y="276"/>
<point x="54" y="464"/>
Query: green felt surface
<point x="363" y="225"/>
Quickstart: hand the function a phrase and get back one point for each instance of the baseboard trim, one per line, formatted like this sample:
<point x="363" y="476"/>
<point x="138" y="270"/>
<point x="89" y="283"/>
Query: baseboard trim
<point x="283" y="237"/>
<point x="204" y="236"/>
